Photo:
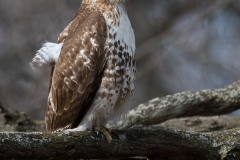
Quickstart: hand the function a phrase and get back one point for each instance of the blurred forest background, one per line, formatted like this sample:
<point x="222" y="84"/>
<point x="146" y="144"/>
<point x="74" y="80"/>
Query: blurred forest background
<point x="181" y="45"/>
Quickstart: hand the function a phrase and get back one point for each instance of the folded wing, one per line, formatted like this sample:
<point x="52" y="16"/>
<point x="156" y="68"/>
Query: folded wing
<point x="75" y="77"/>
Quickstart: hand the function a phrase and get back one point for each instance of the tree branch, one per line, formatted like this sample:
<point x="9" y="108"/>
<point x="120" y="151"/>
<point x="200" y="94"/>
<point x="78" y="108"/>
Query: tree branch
<point x="147" y="141"/>
<point x="185" y="104"/>
<point x="152" y="142"/>
<point x="16" y="121"/>
<point x="203" y="124"/>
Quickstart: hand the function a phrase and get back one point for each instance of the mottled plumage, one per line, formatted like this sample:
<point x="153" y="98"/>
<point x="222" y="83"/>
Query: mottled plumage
<point x="93" y="78"/>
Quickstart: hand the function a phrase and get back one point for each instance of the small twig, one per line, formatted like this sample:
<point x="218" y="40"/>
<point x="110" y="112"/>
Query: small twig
<point x="2" y="110"/>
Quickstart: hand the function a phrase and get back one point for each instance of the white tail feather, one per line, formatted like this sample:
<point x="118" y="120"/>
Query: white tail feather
<point x="47" y="55"/>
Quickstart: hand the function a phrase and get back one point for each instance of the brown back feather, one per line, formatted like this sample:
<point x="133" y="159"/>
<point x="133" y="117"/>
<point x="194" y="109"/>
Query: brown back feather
<point x="75" y="77"/>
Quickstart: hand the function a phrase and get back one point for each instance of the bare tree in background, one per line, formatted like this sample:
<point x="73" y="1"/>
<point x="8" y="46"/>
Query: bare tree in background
<point x="181" y="45"/>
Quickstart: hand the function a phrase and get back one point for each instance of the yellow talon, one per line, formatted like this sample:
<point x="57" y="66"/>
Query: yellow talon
<point x="107" y="133"/>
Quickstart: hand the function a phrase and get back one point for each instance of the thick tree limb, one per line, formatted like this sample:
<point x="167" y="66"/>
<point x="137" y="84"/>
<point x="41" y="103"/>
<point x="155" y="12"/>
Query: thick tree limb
<point x="203" y="124"/>
<point x="160" y="143"/>
<point x="185" y="104"/>
<point x="199" y="124"/>
<point x="150" y="142"/>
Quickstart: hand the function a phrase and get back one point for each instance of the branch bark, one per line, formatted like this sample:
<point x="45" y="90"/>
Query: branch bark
<point x="185" y="104"/>
<point x="203" y="124"/>
<point x="161" y="143"/>
<point x="152" y="142"/>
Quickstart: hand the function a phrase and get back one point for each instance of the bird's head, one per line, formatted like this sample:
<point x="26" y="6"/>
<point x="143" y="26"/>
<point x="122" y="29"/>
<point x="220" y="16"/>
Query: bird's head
<point x="117" y="1"/>
<point x="104" y="1"/>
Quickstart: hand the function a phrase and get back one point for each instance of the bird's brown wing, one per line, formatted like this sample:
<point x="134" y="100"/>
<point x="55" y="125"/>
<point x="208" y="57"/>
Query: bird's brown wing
<point x="79" y="17"/>
<point x="75" y="78"/>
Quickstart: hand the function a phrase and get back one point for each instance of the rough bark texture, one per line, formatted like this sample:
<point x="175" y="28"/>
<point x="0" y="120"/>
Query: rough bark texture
<point x="198" y="124"/>
<point x="203" y="124"/>
<point x="185" y="104"/>
<point x="153" y="142"/>
<point x="15" y="121"/>
<point x="160" y="143"/>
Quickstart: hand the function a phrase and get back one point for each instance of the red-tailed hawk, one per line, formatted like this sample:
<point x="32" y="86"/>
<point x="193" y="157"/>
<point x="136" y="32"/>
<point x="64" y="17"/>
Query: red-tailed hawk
<point x="94" y="68"/>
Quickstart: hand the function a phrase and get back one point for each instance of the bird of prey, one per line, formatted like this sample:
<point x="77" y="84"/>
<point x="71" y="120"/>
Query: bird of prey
<point x="93" y="69"/>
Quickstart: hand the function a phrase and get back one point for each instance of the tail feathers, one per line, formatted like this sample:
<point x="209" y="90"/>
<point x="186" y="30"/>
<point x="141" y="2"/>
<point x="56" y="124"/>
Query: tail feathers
<point x="47" y="55"/>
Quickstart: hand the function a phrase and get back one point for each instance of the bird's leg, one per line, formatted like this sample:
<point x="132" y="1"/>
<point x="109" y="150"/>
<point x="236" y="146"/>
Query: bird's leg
<point x="106" y="132"/>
